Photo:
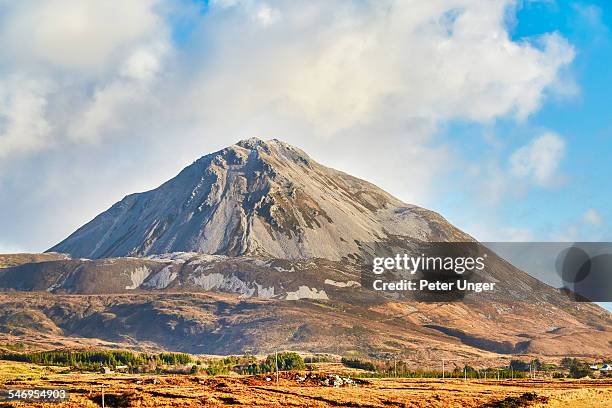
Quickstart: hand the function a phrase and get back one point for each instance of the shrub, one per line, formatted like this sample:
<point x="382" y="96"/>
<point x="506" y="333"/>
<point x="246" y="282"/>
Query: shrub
<point x="519" y="365"/>
<point x="319" y="358"/>
<point x="580" y="370"/>
<point x="577" y="368"/>
<point x="356" y="363"/>
<point x="286" y="361"/>
<point x="558" y="375"/>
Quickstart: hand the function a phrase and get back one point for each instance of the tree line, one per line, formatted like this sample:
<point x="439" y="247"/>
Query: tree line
<point x="95" y="360"/>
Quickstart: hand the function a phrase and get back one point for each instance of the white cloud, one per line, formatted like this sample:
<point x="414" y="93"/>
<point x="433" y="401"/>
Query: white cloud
<point x="319" y="65"/>
<point x="267" y="15"/>
<point x="99" y="57"/>
<point x="79" y="35"/>
<point x="592" y="217"/>
<point x="100" y="116"/>
<point x="112" y="106"/>
<point x="539" y="160"/>
<point x="341" y="65"/>
<point x="143" y="64"/>
<point x="590" y="226"/>
<point x="593" y="16"/>
<point x="362" y="86"/>
<point x="23" y="125"/>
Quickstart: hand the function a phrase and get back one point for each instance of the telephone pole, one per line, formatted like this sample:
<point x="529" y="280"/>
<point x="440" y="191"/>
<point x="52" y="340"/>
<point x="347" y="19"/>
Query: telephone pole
<point x="276" y="363"/>
<point x="442" y="368"/>
<point x="395" y="367"/>
<point x="102" y="387"/>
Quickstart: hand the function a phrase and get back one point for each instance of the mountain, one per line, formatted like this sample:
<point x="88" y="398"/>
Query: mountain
<point x="257" y="198"/>
<point x="257" y="248"/>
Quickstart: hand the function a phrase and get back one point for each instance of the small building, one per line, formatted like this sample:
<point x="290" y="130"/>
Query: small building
<point x="121" y="368"/>
<point x="106" y="370"/>
<point x="606" y="367"/>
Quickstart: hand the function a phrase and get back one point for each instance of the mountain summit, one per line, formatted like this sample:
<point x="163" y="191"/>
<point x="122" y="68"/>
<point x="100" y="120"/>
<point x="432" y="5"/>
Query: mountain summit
<point x="257" y="197"/>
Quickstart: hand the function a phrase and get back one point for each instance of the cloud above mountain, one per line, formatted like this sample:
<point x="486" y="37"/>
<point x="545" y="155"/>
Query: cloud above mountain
<point x="127" y="93"/>
<point x="539" y="159"/>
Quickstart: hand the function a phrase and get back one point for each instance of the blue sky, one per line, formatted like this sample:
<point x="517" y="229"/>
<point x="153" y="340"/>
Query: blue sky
<point x="493" y="113"/>
<point x="582" y="118"/>
<point x="585" y="118"/>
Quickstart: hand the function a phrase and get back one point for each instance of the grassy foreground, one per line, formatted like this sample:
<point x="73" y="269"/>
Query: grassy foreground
<point x="149" y="390"/>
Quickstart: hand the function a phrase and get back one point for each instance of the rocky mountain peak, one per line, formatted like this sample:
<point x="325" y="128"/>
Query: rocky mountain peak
<point x="251" y="143"/>
<point x="272" y="151"/>
<point x="256" y="197"/>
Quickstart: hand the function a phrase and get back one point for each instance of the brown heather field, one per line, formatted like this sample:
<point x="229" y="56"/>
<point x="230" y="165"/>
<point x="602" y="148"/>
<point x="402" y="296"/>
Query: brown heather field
<point x="127" y="390"/>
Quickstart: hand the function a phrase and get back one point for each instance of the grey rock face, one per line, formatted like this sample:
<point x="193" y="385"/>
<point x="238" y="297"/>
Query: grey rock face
<point x="257" y="198"/>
